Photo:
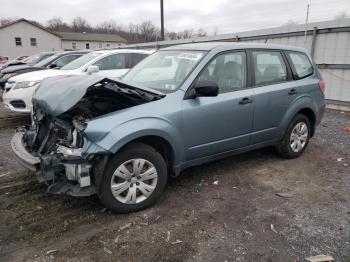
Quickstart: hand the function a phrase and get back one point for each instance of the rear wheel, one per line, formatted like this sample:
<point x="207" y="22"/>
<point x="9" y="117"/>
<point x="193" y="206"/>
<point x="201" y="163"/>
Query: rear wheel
<point x="296" y="137"/>
<point x="134" y="179"/>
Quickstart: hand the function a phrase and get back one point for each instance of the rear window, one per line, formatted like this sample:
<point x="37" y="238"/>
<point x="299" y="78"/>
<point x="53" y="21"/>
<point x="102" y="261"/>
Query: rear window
<point x="269" y="68"/>
<point x="302" y="65"/>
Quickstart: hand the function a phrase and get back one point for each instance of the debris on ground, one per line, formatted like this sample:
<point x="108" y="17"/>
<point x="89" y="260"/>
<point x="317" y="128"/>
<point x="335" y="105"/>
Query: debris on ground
<point x="51" y="251"/>
<point x="116" y="240"/>
<point x="339" y="159"/>
<point x="284" y="194"/>
<point x="167" y="236"/>
<point x="273" y="228"/>
<point x="107" y="250"/>
<point x="125" y="226"/>
<point x="176" y="242"/>
<point x="346" y="129"/>
<point x="320" y="258"/>
<point x="200" y="184"/>
<point x="6" y="174"/>
<point x="103" y="210"/>
<point x="248" y="233"/>
<point x="216" y="182"/>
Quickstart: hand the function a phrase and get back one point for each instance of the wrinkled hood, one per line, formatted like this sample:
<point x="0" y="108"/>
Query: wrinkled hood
<point x="39" y="75"/>
<point x="57" y="95"/>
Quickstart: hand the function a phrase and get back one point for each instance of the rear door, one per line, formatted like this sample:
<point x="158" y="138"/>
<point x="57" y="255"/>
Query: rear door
<point x="113" y="65"/>
<point x="274" y="90"/>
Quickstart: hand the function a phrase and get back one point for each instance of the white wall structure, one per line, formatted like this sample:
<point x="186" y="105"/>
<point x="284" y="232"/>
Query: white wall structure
<point x="31" y="39"/>
<point x="23" y="37"/>
<point x="327" y="42"/>
<point x="76" y="40"/>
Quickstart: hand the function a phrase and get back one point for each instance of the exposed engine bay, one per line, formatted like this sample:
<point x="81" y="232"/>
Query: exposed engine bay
<point x="56" y="136"/>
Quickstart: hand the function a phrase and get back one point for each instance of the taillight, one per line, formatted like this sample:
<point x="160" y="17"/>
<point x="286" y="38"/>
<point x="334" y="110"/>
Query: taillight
<point x="322" y="85"/>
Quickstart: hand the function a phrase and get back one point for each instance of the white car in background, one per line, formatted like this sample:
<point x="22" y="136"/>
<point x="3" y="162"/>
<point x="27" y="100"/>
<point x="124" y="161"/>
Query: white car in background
<point x="19" y="89"/>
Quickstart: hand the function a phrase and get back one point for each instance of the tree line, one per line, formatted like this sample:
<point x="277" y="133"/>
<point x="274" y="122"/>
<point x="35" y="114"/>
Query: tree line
<point x="146" y="31"/>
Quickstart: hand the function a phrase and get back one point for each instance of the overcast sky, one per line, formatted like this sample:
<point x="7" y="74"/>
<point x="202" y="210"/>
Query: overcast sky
<point x="226" y="15"/>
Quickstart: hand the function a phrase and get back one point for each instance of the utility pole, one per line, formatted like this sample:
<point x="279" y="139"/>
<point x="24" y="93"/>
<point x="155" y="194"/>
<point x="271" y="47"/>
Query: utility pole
<point x="161" y="20"/>
<point x="306" y="22"/>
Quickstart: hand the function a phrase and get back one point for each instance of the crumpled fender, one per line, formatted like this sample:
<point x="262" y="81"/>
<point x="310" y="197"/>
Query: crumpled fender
<point x="128" y="131"/>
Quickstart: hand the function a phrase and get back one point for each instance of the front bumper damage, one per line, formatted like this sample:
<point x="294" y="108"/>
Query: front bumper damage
<point x="65" y="171"/>
<point x="56" y="144"/>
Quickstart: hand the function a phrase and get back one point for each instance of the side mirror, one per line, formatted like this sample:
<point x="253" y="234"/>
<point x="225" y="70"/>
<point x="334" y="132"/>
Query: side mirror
<point x="53" y="66"/>
<point x="206" y="88"/>
<point x="92" y="69"/>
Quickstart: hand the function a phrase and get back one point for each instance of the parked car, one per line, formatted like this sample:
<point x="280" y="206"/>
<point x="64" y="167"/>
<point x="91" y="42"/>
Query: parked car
<point x="56" y="61"/>
<point x="31" y="60"/>
<point x="3" y="60"/>
<point x="109" y="63"/>
<point x="122" y="139"/>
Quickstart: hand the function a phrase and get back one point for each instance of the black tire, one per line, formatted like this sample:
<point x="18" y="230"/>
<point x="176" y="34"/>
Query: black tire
<point x="135" y="150"/>
<point x="284" y="148"/>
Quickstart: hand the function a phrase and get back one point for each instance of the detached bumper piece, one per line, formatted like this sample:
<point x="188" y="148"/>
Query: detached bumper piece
<point x="22" y="155"/>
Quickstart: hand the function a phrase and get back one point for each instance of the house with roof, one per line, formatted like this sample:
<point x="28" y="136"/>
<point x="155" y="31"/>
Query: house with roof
<point x="83" y="40"/>
<point x="24" y="37"/>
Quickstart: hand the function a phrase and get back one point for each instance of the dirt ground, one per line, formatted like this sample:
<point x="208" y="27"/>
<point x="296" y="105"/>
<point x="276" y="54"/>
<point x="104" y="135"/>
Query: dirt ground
<point x="222" y="211"/>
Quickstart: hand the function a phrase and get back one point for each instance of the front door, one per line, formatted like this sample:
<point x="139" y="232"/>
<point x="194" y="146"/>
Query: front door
<point x="213" y="125"/>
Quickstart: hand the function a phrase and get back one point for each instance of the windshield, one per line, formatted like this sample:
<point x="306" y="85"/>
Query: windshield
<point x="77" y="63"/>
<point x="36" y="58"/>
<point x="46" y="61"/>
<point x="164" y="70"/>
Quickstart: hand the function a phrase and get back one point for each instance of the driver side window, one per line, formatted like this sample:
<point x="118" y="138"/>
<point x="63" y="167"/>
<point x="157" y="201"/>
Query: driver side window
<point x="111" y="62"/>
<point x="228" y="70"/>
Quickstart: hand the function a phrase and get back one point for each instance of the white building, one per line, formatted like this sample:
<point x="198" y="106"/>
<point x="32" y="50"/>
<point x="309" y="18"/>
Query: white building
<point x="24" y="37"/>
<point x="76" y="40"/>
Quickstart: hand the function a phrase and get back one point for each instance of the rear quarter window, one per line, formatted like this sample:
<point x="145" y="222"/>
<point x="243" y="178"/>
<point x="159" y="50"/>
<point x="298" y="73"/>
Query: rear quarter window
<point x="302" y="66"/>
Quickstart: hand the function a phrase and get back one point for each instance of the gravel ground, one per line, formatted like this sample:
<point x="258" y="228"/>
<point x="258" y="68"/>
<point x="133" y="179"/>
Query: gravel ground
<point x="222" y="211"/>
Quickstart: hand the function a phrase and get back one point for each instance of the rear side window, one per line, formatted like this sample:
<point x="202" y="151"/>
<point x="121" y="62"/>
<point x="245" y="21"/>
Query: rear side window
<point x="302" y="65"/>
<point x="62" y="61"/>
<point x="269" y="67"/>
<point x="112" y="62"/>
<point x="135" y="58"/>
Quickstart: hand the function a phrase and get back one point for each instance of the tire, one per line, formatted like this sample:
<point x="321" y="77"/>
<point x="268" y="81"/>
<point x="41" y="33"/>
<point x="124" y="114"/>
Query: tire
<point x="134" y="188"/>
<point x="288" y="149"/>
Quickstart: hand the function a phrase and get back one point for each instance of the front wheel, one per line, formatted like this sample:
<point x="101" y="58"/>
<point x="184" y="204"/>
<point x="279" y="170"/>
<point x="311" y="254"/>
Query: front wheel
<point x="296" y="137"/>
<point x="134" y="179"/>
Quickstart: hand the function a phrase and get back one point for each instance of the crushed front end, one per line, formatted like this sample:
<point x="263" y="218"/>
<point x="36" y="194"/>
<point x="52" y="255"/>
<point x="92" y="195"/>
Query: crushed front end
<point x="53" y="146"/>
<point x="54" y="142"/>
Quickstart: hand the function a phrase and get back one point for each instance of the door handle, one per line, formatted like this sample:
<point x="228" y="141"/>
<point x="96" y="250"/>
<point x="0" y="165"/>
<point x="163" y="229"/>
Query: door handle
<point x="245" y="100"/>
<point x="292" y="92"/>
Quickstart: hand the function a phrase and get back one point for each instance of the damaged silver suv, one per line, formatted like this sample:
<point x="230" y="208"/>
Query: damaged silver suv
<point x="182" y="106"/>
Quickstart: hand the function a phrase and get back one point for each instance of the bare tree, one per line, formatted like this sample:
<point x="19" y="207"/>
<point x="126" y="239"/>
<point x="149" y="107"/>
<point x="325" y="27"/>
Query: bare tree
<point x="148" y="31"/>
<point x="290" y="22"/>
<point x="341" y="16"/>
<point x="215" y="31"/>
<point x="56" y="24"/>
<point x="110" y="26"/>
<point x="201" y="32"/>
<point x="5" y="21"/>
<point x="80" y="24"/>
